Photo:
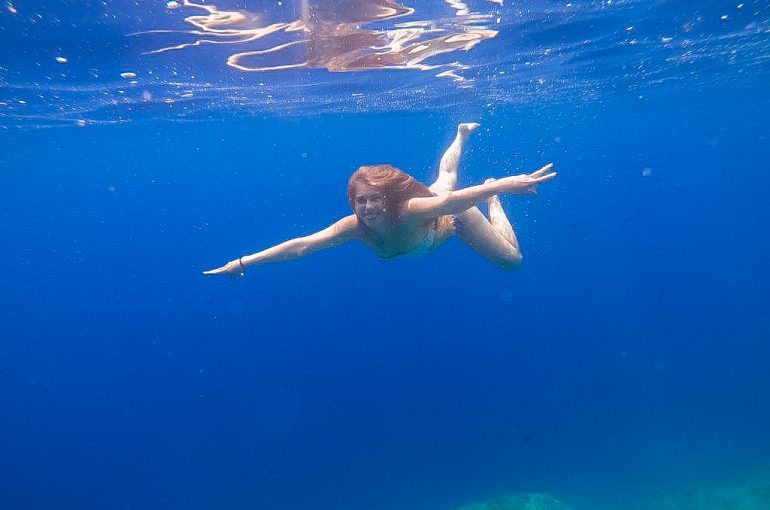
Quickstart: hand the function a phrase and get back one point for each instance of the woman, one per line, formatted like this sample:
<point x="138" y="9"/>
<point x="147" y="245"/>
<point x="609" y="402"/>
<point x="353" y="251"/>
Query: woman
<point x="396" y="215"/>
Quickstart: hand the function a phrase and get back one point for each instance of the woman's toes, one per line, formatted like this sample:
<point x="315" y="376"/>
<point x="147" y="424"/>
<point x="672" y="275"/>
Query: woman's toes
<point x="466" y="127"/>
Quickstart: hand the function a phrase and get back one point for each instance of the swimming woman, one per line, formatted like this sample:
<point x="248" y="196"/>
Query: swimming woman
<point x="396" y="215"/>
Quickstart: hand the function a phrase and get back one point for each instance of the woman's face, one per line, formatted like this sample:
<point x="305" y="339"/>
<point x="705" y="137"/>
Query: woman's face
<point x="369" y="205"/>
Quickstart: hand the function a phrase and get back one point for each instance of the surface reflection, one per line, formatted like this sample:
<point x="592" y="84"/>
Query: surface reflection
<point x="333" y="36"/>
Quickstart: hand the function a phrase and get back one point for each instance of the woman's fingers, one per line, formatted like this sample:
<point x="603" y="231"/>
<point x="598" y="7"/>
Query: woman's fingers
<point x="538" y="173"/>
<point x="533" y="180"/>
<point x="546" y="177"/>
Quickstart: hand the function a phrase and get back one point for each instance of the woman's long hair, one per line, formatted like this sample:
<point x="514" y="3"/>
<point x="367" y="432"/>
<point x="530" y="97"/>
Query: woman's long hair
<point x="396" y="186"/>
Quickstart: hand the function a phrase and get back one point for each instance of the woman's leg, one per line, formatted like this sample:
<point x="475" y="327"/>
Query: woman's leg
<point x="447" y="170"/>
<point x="499" y="219"/>
<point x="495" y="240"/>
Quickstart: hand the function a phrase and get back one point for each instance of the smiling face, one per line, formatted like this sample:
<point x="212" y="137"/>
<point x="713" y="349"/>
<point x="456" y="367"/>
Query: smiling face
<point x="369" y="205"/>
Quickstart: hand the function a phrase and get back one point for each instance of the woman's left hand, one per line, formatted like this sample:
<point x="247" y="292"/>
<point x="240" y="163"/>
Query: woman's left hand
<point x="526" y="184"/>
<point x="233" y="268"/>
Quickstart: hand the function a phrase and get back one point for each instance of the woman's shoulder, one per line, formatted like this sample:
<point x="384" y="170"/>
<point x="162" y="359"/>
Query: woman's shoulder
<point x="348" y="226"/>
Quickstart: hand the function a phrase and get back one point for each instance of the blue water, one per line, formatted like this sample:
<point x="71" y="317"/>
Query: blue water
<point x="625" y="360"/>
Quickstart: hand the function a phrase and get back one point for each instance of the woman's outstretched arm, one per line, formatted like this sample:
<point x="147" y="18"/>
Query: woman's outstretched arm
<point x="333" y="235"/>
<point x="455" y="202"/>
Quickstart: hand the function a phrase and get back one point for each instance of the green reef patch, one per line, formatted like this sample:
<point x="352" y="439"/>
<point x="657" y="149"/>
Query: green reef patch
<point x="753" y="494"/>
<point x="533" y="501"/>
<point x="750" y="493"/>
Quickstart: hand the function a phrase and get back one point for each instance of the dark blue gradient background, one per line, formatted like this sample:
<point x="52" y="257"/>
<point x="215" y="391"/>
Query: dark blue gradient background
<point x="628" y="355"/>
<point x="627" y="359"/>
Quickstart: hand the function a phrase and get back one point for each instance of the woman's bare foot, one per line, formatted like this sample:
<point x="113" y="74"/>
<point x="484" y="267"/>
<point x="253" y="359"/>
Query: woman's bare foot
<point x="466" y="128"/>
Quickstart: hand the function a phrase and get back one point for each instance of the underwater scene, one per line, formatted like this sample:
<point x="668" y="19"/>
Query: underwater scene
<point x="458" y="255"/>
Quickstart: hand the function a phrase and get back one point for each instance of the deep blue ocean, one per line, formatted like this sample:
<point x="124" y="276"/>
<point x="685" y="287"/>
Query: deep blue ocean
<point x="624" y="366"/>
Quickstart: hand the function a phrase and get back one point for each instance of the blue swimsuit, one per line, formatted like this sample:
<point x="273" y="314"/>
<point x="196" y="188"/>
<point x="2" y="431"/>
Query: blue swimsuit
<point x="424" y="247"/>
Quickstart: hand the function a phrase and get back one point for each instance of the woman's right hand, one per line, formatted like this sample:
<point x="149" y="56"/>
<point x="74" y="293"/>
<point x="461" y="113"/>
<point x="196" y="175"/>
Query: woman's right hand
<point x="525" y="184"/>
<point x="233" y="268"/>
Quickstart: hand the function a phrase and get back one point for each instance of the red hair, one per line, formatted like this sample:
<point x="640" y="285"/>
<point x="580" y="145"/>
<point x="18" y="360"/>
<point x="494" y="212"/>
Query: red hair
<point x="396" y="186"/>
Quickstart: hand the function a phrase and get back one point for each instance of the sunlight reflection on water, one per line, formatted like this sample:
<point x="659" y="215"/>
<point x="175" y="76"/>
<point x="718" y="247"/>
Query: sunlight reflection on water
<point x="334" y="36"/>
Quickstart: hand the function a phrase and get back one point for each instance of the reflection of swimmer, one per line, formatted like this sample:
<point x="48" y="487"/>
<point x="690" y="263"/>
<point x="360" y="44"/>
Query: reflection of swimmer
<point x="331" y="35"/>
<point x="336" y="41"/>
<point x="396" y="215"/>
